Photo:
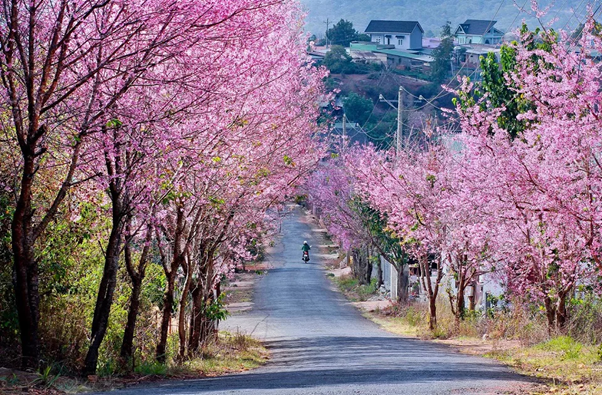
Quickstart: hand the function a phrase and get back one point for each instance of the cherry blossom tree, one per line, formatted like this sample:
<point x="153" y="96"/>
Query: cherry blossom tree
<point x="133" y="95"/>
<point x="542" y="187"/>
<point x="63" y="65"/>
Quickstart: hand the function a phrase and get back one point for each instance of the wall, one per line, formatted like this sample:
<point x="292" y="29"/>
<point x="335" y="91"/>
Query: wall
<point x="416" y="39"/>
<point x="410" y="41"/>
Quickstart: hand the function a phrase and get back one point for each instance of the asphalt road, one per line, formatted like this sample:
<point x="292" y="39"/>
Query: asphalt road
<point x="320" y="344"/>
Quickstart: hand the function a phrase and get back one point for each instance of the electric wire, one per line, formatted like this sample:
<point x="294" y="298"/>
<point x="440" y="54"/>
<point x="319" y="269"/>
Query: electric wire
<point x="442" y="93"/>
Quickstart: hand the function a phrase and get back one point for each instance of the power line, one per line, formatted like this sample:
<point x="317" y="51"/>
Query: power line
<point x="430" y="102"/>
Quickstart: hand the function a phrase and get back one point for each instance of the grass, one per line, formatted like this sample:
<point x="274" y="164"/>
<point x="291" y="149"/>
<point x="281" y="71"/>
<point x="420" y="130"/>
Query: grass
<point x="353" y="290"/>
<point x="233" y="352"/>
<point x="567" y="365"/>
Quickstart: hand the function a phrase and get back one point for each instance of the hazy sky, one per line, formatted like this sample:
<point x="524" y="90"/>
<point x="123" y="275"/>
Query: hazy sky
<point x="432" y="14"/>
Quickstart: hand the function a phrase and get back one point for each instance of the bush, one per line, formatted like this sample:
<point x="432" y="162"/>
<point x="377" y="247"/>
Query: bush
<point x="365" y="291"/>
<point x="148" y="368"/>
<point x="585" y="319"/>
<point x="429" y="90"/>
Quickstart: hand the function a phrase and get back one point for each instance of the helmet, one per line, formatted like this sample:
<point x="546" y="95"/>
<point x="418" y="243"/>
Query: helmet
<point x="305" y="242"/>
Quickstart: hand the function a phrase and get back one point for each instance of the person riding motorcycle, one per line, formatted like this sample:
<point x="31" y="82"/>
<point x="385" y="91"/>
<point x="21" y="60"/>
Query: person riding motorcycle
<point x="305" y="248"/>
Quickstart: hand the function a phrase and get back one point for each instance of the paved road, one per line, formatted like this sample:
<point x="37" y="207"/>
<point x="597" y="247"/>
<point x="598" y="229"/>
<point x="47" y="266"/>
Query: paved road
<point x="321" y="345"/>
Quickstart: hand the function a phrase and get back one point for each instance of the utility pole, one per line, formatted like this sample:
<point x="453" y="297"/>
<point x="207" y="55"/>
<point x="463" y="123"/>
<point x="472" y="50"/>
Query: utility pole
<point x="399" y="120"/>
<point x="400" y="109"/>
<point x="327" y="25"/>
<point x="344" y="129"/>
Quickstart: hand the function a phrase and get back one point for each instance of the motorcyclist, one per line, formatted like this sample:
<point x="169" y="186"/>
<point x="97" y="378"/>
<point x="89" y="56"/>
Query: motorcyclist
<point x="305" y="248"/>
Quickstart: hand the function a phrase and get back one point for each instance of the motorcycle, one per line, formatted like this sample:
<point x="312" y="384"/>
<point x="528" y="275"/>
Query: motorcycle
<point x="305" y="256"/>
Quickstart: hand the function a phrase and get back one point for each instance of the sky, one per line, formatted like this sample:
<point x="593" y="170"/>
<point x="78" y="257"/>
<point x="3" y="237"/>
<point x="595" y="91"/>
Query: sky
<point x="432" y="14"/>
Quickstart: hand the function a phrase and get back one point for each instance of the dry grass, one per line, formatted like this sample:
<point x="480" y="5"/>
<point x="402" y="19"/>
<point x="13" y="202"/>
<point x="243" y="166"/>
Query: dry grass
<point x="567" y="365"/>
<point x="231" y="353"/>
<point x="517" y="338"/>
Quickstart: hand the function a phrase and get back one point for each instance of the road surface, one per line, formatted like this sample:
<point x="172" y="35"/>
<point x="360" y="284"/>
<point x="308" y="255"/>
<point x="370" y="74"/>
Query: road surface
<point x="320" y="344"/>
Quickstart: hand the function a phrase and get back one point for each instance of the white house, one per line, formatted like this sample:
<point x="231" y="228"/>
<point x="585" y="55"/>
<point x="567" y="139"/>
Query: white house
<point x="403" y="35"/>
<point x="476" y="31"/>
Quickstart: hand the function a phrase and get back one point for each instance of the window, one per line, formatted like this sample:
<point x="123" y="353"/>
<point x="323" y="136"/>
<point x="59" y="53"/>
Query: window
<point x="400" y="41"/>
<point x="378" y="40"/>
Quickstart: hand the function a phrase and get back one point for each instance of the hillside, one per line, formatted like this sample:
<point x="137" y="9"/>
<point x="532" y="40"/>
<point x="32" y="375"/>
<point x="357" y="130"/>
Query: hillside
<point x="431" y="14"/>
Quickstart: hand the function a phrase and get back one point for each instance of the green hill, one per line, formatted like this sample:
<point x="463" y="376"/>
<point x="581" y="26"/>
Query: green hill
<point x="432" y="14"/>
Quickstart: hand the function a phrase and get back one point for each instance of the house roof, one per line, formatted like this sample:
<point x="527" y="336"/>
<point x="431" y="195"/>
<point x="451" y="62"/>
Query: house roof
<point x="476" y="26"/>
<point x="392" y="27"/>
<point x="405" y="54"/>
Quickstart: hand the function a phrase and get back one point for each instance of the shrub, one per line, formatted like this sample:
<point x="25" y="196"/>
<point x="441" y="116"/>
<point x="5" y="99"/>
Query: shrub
<point x="585" y="319"/>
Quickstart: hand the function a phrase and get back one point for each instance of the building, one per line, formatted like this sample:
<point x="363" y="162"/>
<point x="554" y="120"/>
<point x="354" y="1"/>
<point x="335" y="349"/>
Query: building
<point x="402" y="35"/>
<point x="475" y="31"/>
<point x="407" y="60"/>
<point x="391" y="57"/>
<point x="468" y="59"/>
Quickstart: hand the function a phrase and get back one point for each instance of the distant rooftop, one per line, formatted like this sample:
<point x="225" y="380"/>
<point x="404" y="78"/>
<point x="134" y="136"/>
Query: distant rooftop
<point x="476" y="26"/>
<point x="392" y="27"/>
<point x="368" y="46"/>
<point x="406" y="54"/>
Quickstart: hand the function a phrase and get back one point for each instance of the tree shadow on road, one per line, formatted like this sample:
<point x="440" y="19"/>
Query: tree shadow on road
<point x="339" y="363"/>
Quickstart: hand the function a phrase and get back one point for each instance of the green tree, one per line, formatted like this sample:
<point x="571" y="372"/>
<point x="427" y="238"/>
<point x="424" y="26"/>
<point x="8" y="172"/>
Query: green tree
<point x="357" y="108"/>
<point x="337" y="60"/>
<point x="501" y="92"/>
<point x="385" y="241"/>
<point x="342" y="33"/>
<point x="381" y="129"/>
<point x="442" y="54"/>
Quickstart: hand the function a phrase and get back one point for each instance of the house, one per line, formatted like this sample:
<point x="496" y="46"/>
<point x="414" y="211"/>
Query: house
<point x="407" y="60"/>
<point x="471" y="57"/>
<point x="367" y="56"/>
<point x="402" y="35"/>
<point x="386" y="54"/>
<point x="476" y="31"/>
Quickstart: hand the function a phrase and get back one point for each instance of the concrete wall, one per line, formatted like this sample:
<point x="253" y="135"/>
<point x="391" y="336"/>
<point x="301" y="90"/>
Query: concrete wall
<point x="416" y="38"/>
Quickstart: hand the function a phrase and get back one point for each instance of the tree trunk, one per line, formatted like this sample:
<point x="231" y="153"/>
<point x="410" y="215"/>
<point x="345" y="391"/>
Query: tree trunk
<point x="182" y="313"/>
<point x="402" y="284"/>
<point x="105" y="293"/>
<point x="472" y="299"/>
<point x="362" y="268"/>
<point x="431" y="290"/>
<point x="195" y="319"/>
<point x="127" y="345"/>
<point x="433" y="313"/>
<point x="136" y="276"/>
<point x="171" y="272"/>
<point x="379" y="275"/>
<point x="26" y="270"/>
<point x="168" y="299"/>
<point x="561" y="313"/>
<point x="460" y="300"/>
<point x="368" y="275"/>
<point x="550" y="313"/>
